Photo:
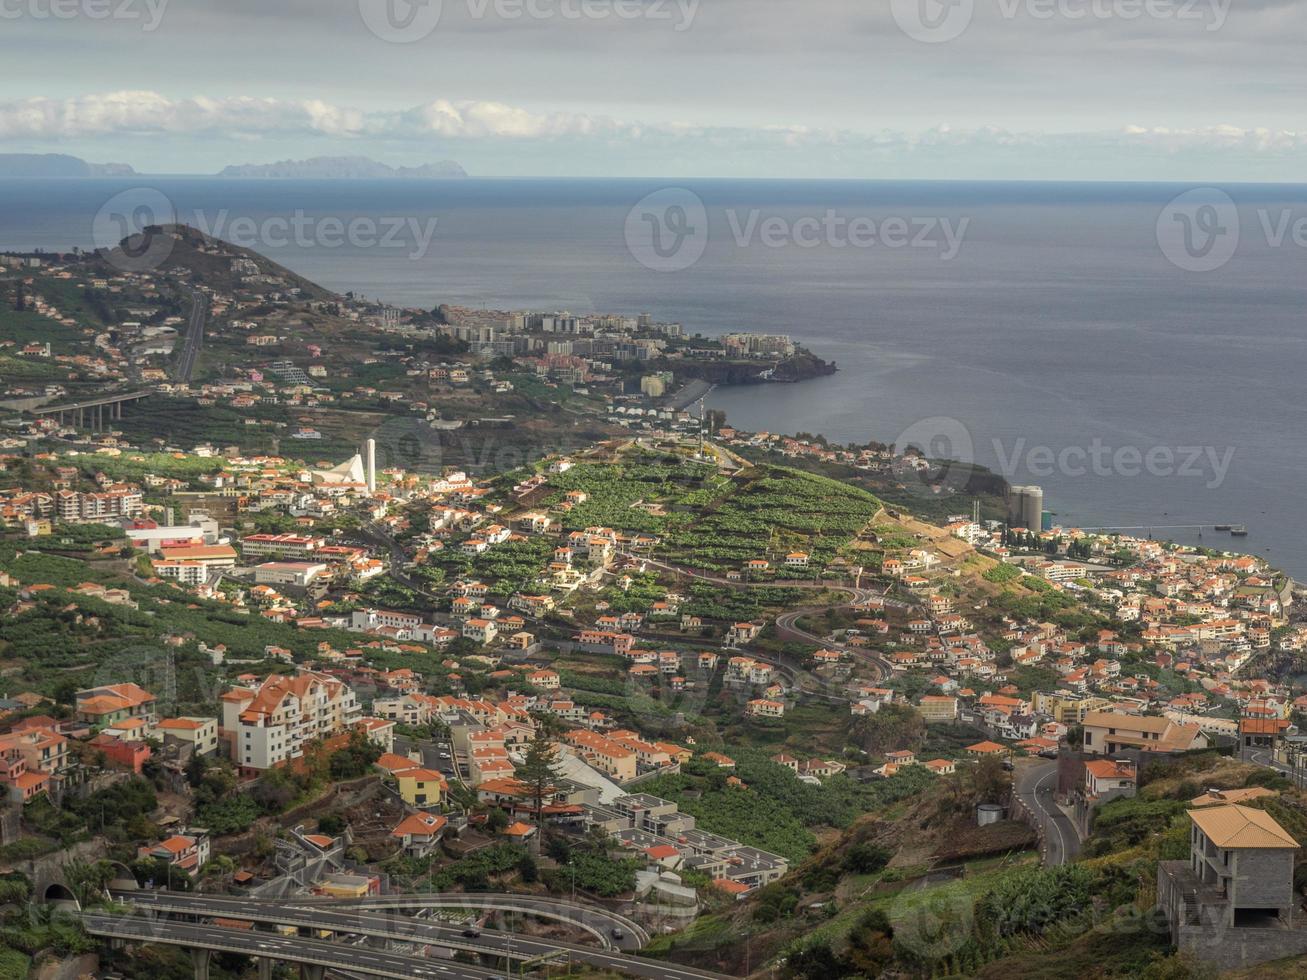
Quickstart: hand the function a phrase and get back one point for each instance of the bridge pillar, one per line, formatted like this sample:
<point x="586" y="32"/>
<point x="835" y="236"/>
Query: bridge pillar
<point x="309" y="971"/>
<point x="200" y="958"/>
<point x="265" y="967"/>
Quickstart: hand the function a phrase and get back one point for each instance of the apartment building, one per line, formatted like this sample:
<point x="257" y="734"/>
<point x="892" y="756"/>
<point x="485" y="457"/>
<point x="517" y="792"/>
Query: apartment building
<point x="1109" y="732"/>
<point x="604" y="754"/>
<point x="73" y="507"/>
<point x="270" y="726"/>
<point x="279" y="546"/>
<point x="937" y="708"/>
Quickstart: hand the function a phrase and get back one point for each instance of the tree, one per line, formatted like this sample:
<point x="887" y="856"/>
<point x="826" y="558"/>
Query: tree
<point x="894" y="726"/>
<point x="539" y="771"/>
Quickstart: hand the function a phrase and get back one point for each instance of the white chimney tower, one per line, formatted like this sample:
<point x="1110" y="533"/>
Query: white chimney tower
<point x="372" y="466"/>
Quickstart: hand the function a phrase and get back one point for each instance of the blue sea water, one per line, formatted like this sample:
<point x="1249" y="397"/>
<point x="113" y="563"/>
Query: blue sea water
<point x="1058" y="334"/>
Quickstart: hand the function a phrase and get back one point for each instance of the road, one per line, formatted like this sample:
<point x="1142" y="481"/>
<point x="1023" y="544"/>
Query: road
<point x="337" y="956"/>
<point x="1034" y="784"/>
<point x="787" y="627"/>
<point x="194" y="339"/>
<point x="398" y="927"/>
<point x="1264" y="758"/>
<point x="599" y="921"/>
<point x="436" y="754"/>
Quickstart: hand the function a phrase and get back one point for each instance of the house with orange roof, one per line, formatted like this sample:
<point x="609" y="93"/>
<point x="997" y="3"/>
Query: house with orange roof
<point x="100" y="707"/>
<point x="21" y="784"/>
<point x="737" y="889"/>
<point x="986" y="748"/>
<point x="188" y="851"/>
<point x="420" y="833"/>
<point x="1108" y="779"/>
<point x="519" y="831"/>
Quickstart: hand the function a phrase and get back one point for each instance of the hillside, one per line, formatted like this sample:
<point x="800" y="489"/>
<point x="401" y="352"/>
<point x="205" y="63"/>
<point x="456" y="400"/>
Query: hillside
<point x="914" y="888"/>
<point x="210" y="262"/>
<point x="58" y="165"/>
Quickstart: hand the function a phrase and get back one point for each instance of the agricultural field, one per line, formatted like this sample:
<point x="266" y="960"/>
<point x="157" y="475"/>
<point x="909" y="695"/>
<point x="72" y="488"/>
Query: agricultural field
<point x="774" y="513"/>
<point x="639" y="495"/>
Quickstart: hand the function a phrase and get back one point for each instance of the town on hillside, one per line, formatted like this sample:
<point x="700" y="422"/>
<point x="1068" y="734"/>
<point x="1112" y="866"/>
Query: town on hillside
<point x="383" y="642"/>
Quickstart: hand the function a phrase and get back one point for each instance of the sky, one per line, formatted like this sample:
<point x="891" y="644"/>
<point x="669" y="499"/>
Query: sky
<point x="1186" y="90"/>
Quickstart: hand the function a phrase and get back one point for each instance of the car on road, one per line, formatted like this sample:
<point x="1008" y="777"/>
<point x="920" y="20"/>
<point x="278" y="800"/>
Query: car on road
<point x="472" y="933"/>
<point x="617" y="934"/>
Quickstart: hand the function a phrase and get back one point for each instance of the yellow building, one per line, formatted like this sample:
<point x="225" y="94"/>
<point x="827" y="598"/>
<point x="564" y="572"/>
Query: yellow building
<point x="1066" y="708"/>
<point x="936" y="708"/>
<point x="421" y="787"/>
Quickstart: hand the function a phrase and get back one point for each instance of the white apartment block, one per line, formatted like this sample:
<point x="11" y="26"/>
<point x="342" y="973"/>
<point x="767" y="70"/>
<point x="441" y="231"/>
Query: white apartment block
<point x="74" y="508"/>
<point x="272" y="725"/>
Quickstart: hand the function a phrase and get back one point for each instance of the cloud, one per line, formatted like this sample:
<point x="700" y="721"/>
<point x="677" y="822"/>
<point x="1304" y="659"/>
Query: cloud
<point x="1147" y="152"/>
<point x="149" y="113"/>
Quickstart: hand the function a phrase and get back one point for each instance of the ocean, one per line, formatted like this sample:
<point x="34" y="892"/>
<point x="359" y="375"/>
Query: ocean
<point x="1135" y="349"/>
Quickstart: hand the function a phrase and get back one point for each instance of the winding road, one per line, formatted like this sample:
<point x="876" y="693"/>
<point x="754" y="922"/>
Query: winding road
<point x="1034" y="784"/>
